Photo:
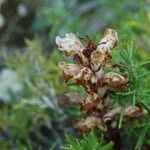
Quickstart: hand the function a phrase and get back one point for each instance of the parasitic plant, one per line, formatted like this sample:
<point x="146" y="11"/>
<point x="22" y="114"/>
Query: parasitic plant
<point x="88" y="69"/>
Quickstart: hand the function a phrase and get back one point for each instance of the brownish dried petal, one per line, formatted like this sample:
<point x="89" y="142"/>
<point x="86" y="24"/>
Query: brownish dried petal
<point x="100" y="58"/>
<point x="90" y="122"/>
<point x="89" y="49"/>
<point x="102" y="90"/>
<point x="85" y="74"/>
<point x="78" y="60"/>
<point x="134" y="112"/>
<point x="111" y="114"/>
<point x="90" y="87"/>
<point x="95" y="66"/>
<point x="91" y="103"/>
<point x="109" y="41"/>
<point x="99" y="74"/>
<point x="107" y="60"/>
<point x="66" y="77"/>
<point x="72" y="98"/>
<point x="68" y="44"/>
<point x="81" y="60"/>
<point x="70" y="70"/>
<point x="115" y="81"/>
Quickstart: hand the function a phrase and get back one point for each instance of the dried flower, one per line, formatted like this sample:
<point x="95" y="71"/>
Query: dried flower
<point x="88" y="71"/>
<point x="70" y="70"/>
<point x="111" y="114"/>
<point x="108" y="42"/>
<point x="115" y="80"/>
<point x="134" y="112"/>
<point x="101" y="58"/>
<point x="84" y="75"/>
<point x="90" y="104"/>
<point x="72" y="98"/>
<point x="90" y="122"/>
<point x="69" y="43"/>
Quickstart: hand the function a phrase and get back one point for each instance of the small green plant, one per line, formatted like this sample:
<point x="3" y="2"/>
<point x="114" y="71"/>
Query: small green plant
<point x="87" y="142"/>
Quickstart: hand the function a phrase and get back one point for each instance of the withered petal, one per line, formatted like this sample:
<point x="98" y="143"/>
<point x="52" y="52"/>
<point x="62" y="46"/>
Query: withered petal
<point x="111" y="114"/>
<point x="85" y="74"/>
<point x="134" y="112"/>
<point x="70" y="70"/>
<point x="90" y="122"/>
<point x="102" y="59"/>
<point x="80" y="59"/>
<point x="97" y="56"/>
<point x="72" y="98"/>
<point x="91" y="103"/>
<point x="109" y="41"/>
<point x="115" y="81"/>
<point x="68" y="44"/>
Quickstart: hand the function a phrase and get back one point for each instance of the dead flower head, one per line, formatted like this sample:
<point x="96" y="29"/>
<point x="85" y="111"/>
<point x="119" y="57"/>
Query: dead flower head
<point x="87" y="70"/>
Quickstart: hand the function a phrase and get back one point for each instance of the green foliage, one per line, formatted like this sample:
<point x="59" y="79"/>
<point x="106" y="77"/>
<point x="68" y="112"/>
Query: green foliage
<point x="33" y="65"/>
<point x="143" y="136"/>
<point x="136" y="134"/>
<point x="137" y="92"/>
<point x="88" y="141"/>
<point x="40" y="77"/>
<point x="36" y="108"/>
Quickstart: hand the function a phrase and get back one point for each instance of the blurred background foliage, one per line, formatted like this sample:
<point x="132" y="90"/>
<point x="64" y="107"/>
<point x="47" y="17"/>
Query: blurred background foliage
<point x="30" y="81"/>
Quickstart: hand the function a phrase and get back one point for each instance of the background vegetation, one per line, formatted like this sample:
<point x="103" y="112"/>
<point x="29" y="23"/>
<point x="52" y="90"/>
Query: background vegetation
<point x="31" y="83"/>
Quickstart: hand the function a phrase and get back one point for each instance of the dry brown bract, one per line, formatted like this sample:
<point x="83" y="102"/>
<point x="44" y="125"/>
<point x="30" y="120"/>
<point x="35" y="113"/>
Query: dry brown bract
<point x="90" y="122"/>
<point x="69" y="44"/>
<point x="88" y="71"/>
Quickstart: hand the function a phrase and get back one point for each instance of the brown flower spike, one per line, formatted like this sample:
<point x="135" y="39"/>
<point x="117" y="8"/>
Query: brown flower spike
<point x="88" y="71"/>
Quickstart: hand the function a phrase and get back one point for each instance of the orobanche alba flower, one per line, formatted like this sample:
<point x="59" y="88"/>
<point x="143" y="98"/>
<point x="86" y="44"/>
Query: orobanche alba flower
<point x="109" y="41"/>
<point x="88" y="71"/>
<point x="69" y="43"/>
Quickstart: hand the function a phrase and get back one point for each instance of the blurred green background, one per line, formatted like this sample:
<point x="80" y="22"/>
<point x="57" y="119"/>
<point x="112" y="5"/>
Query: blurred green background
<point x="30" y="81"/>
